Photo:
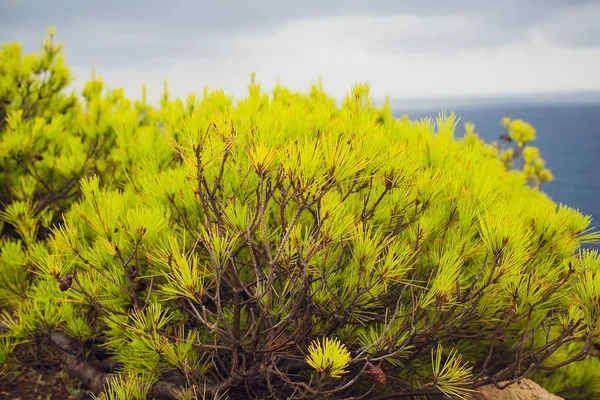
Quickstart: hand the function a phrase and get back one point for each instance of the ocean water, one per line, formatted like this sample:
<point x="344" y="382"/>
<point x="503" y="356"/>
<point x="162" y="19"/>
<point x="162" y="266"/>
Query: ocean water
<point x="568" y="137"/>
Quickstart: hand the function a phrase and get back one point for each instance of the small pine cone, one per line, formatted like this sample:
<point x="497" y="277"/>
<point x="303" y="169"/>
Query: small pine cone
<point x="140" y="285"/>
<point x="596" y="350"/>
<point x="65" y="283"/>
<point x="377" y="374"/>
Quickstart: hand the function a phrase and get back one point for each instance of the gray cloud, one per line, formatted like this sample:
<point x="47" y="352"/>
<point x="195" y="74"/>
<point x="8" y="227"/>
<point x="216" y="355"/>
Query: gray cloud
<point x="143" y="32"/>
<point x="567" y="24"/>
<point x="201" y="16"/>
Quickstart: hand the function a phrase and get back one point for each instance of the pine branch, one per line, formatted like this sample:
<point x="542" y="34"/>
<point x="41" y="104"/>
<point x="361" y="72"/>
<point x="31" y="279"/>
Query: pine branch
<point x="93" y="377"/>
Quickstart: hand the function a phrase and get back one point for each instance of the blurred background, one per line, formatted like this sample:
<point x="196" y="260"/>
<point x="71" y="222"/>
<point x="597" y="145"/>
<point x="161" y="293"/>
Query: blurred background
<point x="538" y="60"/>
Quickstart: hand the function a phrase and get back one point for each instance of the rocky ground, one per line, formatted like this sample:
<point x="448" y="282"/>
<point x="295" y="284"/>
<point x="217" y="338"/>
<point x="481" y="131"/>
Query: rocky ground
<point x="48" y="384"/>
<point x="40" y="379"/>
<point x="526" y="390"/>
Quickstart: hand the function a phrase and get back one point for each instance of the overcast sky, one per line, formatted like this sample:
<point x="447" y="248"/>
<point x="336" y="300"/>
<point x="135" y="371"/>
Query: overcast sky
<point x="403" y="48"/>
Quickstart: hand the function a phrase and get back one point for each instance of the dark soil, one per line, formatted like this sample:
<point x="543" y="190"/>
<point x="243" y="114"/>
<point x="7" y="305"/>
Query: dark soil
<point x="39" y="379"/>
<point x="41" y="384"/>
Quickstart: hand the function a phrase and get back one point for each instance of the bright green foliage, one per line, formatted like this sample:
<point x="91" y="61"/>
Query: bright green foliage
<point x="451" y="374"/>
<point x="521" y="132"/>
<point x="533" y="165"/>
<point x="210" y="250"/>
<point x="126" y="387"/>
<point x="574" y="381"/>
<point x="32" y="84"/>
<point x="329" y="358"/>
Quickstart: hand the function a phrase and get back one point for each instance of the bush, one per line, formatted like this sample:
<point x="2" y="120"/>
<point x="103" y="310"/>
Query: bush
<point x="280" y="247"/>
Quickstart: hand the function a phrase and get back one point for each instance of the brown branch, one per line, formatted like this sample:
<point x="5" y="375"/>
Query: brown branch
<point x="92" y="376"/>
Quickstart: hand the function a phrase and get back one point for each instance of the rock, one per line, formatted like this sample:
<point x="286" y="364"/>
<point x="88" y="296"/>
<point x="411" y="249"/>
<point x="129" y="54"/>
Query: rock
<point x="526" y="390"/>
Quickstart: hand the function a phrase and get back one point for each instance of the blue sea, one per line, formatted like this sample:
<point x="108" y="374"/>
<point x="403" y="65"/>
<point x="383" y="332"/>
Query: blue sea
<point x="568" y="137"/>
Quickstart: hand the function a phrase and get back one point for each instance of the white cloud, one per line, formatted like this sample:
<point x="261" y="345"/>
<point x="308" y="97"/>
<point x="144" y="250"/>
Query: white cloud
<point x="376" y="49"/>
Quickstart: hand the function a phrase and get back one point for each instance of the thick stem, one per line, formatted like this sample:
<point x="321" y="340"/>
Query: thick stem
<point x="92" y="376"/>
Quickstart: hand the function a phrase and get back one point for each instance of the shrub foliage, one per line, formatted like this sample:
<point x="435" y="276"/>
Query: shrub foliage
<point x="281" y="246"/>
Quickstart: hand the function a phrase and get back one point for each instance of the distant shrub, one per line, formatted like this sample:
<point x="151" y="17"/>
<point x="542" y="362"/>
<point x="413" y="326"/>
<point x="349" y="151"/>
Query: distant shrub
<point x="280" y="247"/>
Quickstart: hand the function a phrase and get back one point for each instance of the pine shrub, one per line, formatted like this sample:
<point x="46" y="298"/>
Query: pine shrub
<point x="281" y="247"/>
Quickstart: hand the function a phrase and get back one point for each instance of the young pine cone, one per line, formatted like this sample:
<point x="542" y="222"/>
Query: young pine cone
<point x="377" y="374"/>
<point x="140" y="285"/>
<point x="65" y="283"/>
